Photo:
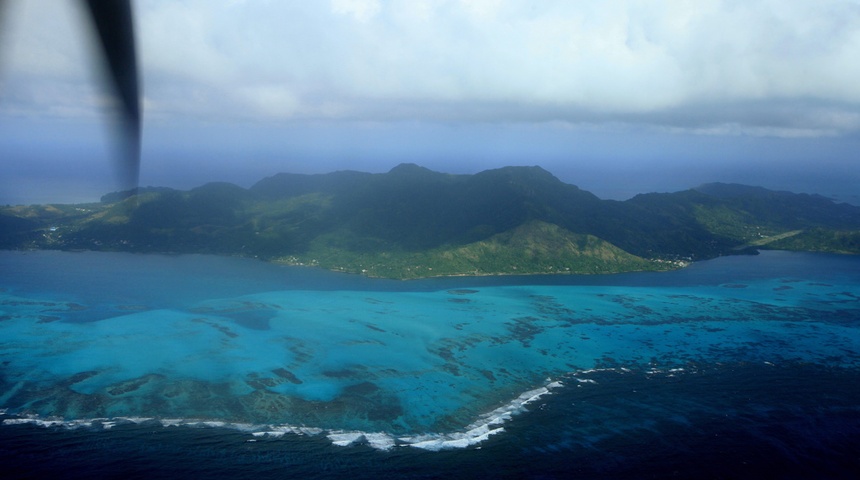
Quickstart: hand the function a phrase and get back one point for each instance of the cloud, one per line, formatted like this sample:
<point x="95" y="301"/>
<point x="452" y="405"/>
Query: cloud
<point x="361" y="10"/>
<point x="708" y="66"/>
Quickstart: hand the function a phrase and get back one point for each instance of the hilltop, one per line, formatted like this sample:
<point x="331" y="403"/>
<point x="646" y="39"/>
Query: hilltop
<point x="413" y="222"/>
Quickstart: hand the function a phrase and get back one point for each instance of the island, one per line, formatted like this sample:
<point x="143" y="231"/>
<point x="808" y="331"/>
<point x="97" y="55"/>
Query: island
<point x="412" y="222"/>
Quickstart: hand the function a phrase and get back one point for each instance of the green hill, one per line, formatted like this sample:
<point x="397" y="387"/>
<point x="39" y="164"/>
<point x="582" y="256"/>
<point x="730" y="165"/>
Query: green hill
<point x="534" y="247"/>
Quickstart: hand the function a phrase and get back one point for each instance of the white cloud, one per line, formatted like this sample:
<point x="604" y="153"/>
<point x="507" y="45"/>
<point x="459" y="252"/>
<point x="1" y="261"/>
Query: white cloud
<point x="491" y="60"/>
<point x="361" y="10"/>
<point x="272" y="101"/>
<point x="36" y="43"/>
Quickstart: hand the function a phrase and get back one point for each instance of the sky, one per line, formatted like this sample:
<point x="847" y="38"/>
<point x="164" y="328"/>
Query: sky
<point x="618" y="97"/>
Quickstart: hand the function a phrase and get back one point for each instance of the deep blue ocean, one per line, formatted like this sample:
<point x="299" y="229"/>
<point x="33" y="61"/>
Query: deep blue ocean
<point x="120" y="365"/>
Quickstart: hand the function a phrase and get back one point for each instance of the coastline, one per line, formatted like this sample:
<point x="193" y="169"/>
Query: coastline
<point x="661" y="265"/>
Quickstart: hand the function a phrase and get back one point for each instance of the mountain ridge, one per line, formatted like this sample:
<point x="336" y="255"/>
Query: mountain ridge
<point x="412" y="218"/>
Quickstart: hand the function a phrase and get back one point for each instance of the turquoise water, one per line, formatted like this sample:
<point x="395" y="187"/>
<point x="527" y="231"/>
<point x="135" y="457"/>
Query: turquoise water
<point x="106" y="337"/>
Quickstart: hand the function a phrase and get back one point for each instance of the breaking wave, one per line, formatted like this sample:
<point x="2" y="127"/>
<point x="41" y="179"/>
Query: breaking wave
<point x="487" y="425"/>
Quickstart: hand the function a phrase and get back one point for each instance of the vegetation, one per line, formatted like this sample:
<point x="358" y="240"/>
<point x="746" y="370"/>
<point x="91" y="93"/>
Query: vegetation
<point x="533" y="248"/>
<point x="821" y="240"/>
<point x="413" y="222"/>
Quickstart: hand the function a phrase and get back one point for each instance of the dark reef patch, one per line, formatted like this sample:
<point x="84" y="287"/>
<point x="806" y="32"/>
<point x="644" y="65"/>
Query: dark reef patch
<point x="459" y="300"/>
<point x="290" y="376"/>
<point x="132" y="385"/>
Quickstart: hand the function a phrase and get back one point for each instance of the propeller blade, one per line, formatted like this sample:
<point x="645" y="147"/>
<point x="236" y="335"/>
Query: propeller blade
<point x="114" y="24"/>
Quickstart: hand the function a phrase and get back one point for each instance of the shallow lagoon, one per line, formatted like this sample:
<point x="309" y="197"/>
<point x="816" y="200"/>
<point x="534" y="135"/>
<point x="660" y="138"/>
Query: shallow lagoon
<point x="431" y="363"/>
